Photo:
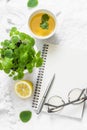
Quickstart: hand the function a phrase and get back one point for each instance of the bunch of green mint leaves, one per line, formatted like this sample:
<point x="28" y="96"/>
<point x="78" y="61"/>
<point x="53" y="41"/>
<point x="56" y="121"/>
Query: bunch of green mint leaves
<point x="18" y="54"/>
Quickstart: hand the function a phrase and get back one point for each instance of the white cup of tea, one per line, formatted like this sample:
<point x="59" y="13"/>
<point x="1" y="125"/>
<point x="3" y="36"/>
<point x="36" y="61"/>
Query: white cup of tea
<point x="35" y="21"/>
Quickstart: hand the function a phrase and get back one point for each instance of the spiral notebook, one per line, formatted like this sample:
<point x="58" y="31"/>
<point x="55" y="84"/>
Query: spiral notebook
<point x="70" y="68"/>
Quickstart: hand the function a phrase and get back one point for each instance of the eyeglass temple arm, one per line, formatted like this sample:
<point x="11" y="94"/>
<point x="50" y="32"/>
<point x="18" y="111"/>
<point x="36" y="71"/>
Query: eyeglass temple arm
<point x="65" y="104"/>
<point x="81" y="94"/>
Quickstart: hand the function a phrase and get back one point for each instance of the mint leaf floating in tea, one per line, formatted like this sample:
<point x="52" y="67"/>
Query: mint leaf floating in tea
<point x="45" y="17"/>
<point x="32" y="3"/>
<point x="44" y="21"/>
<point x="25" y="116"/>
<point x="44" y="25"/>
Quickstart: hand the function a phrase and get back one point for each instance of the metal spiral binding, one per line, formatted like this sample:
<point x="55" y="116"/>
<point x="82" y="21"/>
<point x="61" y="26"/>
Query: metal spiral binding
<point x="40" y="77"/>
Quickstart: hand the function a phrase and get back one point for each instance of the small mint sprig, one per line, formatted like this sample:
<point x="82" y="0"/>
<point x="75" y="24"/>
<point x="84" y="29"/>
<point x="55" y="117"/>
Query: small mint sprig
<point x="44" y="21"/>
<point x="25" y="116"/>
<point x="32" y="3"/>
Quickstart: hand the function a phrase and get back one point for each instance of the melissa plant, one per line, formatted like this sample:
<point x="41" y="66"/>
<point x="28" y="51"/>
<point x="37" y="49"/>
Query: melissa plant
<point x="18" y="54"/>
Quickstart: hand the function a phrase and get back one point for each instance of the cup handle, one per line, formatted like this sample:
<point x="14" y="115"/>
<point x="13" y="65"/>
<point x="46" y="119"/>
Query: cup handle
<point x="58" y="13"/>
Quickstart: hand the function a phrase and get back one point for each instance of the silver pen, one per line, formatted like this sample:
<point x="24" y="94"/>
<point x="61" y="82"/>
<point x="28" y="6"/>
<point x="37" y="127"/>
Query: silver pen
<point x="45" y="95"/>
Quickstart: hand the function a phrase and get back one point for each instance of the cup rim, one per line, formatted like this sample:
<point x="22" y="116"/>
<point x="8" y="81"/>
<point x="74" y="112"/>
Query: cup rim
<point x="37" y="11"/>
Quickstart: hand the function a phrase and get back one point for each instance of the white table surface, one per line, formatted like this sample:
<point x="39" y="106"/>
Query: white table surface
<point x="71" y="31"/>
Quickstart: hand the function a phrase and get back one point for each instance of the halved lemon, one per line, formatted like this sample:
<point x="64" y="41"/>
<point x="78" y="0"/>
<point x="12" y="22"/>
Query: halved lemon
<point x="24" y="88"/>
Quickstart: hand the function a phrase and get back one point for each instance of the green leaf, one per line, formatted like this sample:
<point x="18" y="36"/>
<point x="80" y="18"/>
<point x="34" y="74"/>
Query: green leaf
<point x="38" y="54"/>
<point x="7" y="63"/>
<point x="12" y="73"/>
<point x="20" y="73"/>
<point x="1" y="66"/>
<point x="29" y="40"/>
<point x="45" y="17"/>
<point x="39" y="62"/>
<point x="15" y="77"/>
<point x="13" y="30"/>
<point x="39" y="59"/>
<point x="25" y="116"/>
<point x="5" y="43"/>
<point x="44" y="25"/>
<point x="8" y="53"/>
<point x="22" y="36"/>
<point x="30" y="67"/>
<point x="32" y="3"/>
<point x="44" y="21"/>
<point x="7" y="70"/>
<point x="23" y="59"/>
<point x="12" y="45"/>
<point x="14" y="39"/>
<point x="2" y="53"/>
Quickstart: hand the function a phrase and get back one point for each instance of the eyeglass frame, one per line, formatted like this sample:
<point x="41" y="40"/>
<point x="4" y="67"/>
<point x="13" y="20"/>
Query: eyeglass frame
<point x="67" y="103"/>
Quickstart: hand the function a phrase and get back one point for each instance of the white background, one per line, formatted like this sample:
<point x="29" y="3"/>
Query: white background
<point x="71" y="31"/>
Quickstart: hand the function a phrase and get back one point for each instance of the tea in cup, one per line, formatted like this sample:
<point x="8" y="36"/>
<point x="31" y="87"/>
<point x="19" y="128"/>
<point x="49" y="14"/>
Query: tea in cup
<point x="42" y="23"/>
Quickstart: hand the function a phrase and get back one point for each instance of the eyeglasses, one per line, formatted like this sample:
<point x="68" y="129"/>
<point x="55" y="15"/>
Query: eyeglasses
<point x="75" y="97"/>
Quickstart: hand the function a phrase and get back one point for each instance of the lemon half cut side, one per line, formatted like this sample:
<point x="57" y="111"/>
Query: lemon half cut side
<point x="24" y="88"/>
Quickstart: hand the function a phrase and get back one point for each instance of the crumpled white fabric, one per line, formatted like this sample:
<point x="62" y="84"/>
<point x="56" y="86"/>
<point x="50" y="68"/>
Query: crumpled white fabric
<point x="7" y="114"/>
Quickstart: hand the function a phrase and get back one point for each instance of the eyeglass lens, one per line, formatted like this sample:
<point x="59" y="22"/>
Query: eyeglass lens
<point x="74" y="95"/>
<point x="55" y="101"/>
